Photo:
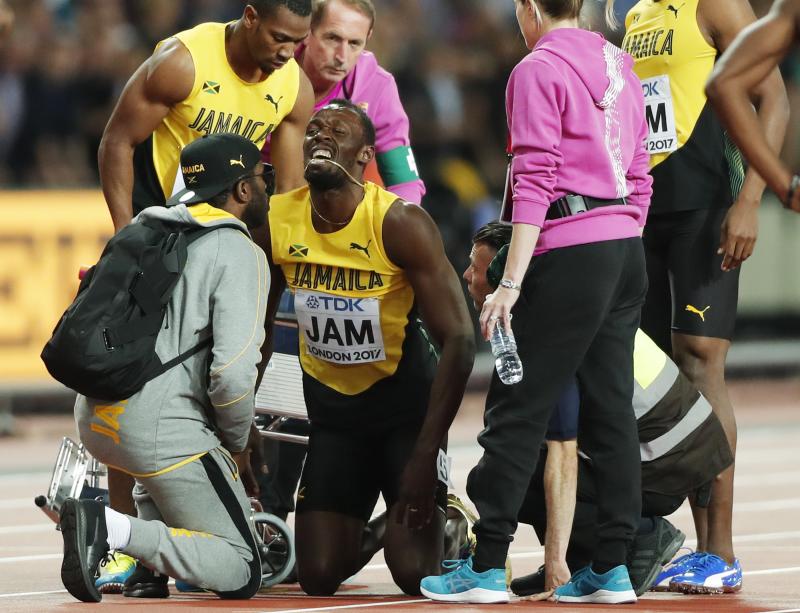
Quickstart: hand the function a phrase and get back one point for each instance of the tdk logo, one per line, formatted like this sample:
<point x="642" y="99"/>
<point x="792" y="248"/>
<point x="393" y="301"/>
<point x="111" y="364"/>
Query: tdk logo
<point x="331" y="303"/>
<point x="312" y="302"/>
<point x="650" y="89"/>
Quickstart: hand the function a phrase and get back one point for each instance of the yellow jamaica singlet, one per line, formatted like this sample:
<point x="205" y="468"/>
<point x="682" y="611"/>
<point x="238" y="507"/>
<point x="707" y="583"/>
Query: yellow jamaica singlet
<point x="219" y="102"/>
<point x="362" y="349"/>
<point x="694" y="165"/>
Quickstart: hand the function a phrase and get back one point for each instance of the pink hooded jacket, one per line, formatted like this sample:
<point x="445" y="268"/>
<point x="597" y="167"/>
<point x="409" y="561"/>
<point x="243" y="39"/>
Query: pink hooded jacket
<point x="576" y="117"/>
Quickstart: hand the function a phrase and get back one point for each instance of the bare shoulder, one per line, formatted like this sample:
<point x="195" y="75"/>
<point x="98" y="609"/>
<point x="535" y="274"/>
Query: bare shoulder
<point x="410" y="235"/>
<point x="170" y="71"/>
<point x="721" y="20"/>
<point x="304" y="104"/>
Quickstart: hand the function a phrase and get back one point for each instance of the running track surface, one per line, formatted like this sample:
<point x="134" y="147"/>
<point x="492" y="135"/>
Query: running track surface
<point x="765" y="522"/>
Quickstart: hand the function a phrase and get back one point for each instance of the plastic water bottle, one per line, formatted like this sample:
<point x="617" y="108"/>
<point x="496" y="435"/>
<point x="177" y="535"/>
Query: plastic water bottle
<point x="504" y="349"/>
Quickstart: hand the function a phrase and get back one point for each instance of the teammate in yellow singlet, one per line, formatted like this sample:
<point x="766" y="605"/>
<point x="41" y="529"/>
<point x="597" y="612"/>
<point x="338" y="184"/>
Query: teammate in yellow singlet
<point x="363" y="266"/>
<point x="239" y="77"/>
<point x="702" y="223"/>
<point x="754" y="54"/>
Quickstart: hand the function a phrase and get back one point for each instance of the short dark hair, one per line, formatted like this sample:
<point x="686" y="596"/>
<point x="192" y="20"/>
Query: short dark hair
<point x="495" y="234"/>
<point x="366" y="123"/>
<point x="268" y="7"/>
<point x="365" y="7"/>
<point x="220" y="199"/>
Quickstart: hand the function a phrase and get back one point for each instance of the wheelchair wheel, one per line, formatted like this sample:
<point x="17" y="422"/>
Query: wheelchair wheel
<point x="276" y="544"/>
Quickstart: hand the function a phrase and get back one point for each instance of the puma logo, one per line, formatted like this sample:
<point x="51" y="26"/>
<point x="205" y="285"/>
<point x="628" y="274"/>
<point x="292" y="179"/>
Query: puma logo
<point x="360" y="248"/>
<point x="675" y="10"/>
<point x="238" y="162"/>
<point x="696" y="311"/>
<point x="272" y="101"/>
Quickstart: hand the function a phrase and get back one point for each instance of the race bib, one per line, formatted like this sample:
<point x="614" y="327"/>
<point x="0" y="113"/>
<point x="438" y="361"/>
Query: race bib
<point x="339" y="329"/>
<point x="444" y="464"/>
<point x="662" y="136"/>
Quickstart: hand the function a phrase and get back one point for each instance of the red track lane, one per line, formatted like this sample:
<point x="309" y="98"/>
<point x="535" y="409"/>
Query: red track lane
<point x="766" y="528"/>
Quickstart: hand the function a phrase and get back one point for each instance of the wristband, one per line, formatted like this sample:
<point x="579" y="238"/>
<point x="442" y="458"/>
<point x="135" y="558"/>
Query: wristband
<point x="795" y="183"/>
<point x="509" y="284"/>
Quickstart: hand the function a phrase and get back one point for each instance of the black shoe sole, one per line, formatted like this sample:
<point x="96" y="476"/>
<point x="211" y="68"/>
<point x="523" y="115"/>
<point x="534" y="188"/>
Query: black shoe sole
<point x="668" y="553"/>
<point x="74" y="572"/>
<point x="529" y="584"/>
<point x="146" y="590"/>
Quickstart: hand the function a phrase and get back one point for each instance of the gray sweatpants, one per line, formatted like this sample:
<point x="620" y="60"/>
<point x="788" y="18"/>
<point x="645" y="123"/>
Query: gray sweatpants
<point x="194" y="525"/>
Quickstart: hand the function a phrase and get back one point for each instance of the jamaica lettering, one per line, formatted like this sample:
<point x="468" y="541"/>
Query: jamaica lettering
<point x="332" y="278"/>
<point x="648" y="44"/>
<point x="210" y="121"/>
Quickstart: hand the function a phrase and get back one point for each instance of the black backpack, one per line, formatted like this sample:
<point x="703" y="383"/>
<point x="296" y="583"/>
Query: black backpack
<point x="104" y="344"/>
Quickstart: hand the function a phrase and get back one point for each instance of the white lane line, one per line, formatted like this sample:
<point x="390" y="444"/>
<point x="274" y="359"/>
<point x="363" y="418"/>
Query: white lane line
<point x="352" y="606"/>
<point x="778" y="504"/>
<point x="771" y="478"/>
<point x="17" y="503"/>
<point x="28" y="528"/>
<point x="755" y="506"/>
<point x="23" y="476"/>
<point x="32" y="558"/>
<point x="772" y="571"/>
<point x="20" y="594"/>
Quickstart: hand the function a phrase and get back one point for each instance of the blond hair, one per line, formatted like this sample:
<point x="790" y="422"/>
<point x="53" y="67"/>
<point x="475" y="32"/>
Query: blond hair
<point x="365" y="7"/>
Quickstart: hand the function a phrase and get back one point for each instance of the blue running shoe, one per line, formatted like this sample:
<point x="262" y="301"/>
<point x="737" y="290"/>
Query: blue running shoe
<point x="187" y="588"/>
<point x="114" y="570"/>
<point x="613" y="587"/>
<point x="709" y="574"/>
<point x="677" y="567"/>
<point x="462" y="584"/>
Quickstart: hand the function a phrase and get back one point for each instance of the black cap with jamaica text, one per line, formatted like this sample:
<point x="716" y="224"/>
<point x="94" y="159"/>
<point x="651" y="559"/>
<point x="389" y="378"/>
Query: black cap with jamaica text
<point x="213" y="163"/>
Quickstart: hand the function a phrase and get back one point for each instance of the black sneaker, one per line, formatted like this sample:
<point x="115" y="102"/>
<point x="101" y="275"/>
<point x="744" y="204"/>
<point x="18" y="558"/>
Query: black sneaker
<point x="83" y="527"/>
<point x="529" y="584"/>
<point x="146" y="583"/>
<point x="651" y="551"/>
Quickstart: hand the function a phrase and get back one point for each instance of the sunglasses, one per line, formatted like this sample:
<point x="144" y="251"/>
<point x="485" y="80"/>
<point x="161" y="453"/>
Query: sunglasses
<point x="268" y="177"/>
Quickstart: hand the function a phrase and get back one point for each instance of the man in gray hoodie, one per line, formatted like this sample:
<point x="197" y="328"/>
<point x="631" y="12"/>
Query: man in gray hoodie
<point x="184" y="433"/>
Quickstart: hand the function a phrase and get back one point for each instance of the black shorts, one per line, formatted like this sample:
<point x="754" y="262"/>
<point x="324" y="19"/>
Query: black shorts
<point x="346" y="469"/>
<point x="563" y="425"/>
<point x="689" y="292"/>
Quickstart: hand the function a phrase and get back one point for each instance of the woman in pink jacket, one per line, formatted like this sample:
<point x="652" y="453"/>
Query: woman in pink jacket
<point x="575" y="282"/>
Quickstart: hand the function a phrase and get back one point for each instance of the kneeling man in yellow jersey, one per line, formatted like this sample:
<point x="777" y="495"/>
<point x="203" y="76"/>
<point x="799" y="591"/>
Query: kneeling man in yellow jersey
<point x="365" y="267"/>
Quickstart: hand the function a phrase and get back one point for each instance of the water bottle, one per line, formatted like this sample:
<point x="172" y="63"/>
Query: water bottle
<point x="504" y="349"/>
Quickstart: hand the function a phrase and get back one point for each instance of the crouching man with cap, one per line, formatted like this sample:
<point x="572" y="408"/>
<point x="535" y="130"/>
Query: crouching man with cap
<point x="182" y="436"/>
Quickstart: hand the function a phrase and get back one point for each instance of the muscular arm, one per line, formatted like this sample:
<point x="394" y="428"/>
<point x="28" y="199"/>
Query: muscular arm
<point x="287" y="140"/>
<point x="744" y="70"/>
<point x="723" y="20"/>
<point x="165" y="79"/>
<point x="261" y="237"/>
<point x="413" y="242"/>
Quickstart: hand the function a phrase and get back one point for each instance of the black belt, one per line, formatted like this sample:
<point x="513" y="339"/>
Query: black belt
<point x="573" y="204"/>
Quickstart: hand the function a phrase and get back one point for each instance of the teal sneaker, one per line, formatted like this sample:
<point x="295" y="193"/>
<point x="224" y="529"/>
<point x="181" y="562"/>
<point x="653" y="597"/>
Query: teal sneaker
<point x="462" y="584"/>
<point x="114" y="570"/>
<point x="613" y="587"/>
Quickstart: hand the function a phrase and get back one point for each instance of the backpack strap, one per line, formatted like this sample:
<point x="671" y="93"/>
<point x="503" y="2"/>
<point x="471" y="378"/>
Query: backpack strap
<point x="185" y="355"/>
